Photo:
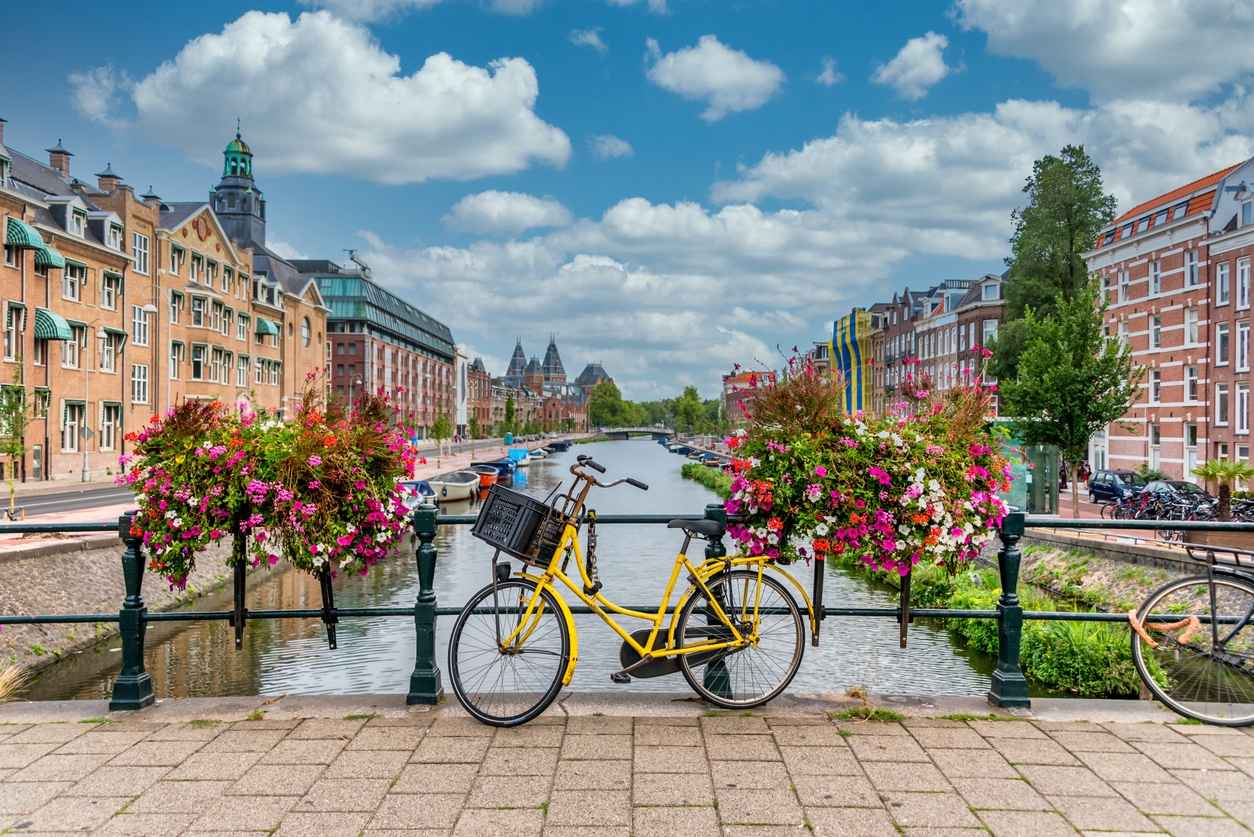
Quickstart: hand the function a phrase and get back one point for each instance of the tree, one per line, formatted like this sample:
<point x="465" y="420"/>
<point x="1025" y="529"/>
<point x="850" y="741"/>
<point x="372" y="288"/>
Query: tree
<point x="605" y="405"/>
<point x="1072" y="379"/>
<point x="472" y="427"/>
<point x="689" y="411"/>
<point x="1066" y="210"/>
<point x="15" y="419"/>
<point x="509" y="414"/>
<point x="1224" y="473"/>
<point x="441" y="429"/>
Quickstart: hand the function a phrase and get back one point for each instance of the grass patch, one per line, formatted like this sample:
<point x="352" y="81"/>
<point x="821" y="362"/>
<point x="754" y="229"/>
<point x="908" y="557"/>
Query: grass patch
<point x="866" y="713"/>
<point x="257" y="715"/>
<point x="712" y="478"/>
<point x="100" y="721"/>
<point x="748" y="713"/>
<point x="363" y="717"/>
<point x="543" y="806"/>
<point x="203" y="723"/>
<point x="713" y="713"/>
<point x="1188" y="722"/>
<point x="967" y="716"/>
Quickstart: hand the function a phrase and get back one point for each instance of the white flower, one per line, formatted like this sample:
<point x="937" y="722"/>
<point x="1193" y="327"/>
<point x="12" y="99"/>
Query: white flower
<point x="821" y="530"/>
<point x="883" y="434"/>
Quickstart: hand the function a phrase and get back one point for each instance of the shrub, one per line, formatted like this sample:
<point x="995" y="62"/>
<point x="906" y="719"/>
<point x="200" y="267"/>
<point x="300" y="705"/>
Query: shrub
<point x="1089" y="659"/>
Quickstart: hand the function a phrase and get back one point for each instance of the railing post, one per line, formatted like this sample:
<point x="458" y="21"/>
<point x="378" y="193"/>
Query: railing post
<point x="716" y="678"/>
<point x="133" y="688"/>
<point x="1010" y="687"/>
<point x="424" y="683"/>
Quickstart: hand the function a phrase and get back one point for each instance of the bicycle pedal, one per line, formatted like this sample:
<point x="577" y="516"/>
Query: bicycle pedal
<point x="620" y="677"/>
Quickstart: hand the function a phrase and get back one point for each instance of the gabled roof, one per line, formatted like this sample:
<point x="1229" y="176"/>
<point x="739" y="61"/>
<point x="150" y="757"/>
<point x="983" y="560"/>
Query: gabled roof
<point x="1175" y="195"/>
<point x="1195" y="198"/>
<point x="176" y="213"/>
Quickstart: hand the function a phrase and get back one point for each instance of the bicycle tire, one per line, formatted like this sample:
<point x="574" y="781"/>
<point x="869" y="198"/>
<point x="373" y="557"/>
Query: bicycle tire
<point x="741" y="678"/>
<point x="1209" y="682"/>
<point x="494" y="696"/>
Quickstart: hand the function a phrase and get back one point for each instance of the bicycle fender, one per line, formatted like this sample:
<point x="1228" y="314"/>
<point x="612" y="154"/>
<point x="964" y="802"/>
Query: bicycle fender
<point x="570" y="622"/>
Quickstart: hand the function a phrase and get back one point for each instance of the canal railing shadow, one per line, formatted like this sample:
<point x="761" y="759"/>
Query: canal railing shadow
<point x="133" y="687"/>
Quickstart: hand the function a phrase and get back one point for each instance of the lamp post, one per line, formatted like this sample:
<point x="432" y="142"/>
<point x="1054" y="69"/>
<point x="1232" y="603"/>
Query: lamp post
<point x="83" y="429"/>
<point x="356" y="379"/>
<point x="149" y="308"/>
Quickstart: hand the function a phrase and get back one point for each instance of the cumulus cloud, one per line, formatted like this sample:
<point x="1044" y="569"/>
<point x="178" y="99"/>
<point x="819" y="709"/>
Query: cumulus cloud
<point x="496" y="212"/>
<point x="1141" y="49"/>
<point x="829" y="77"/>
<point x="369" y="10"/>
<point x="589" y="38"/>
<point x="919" y="65"/>
<point x="605" y="146"/>
<point x="728" y="79"/>
<point x="283" y="249"/>
<point x="658" y="7"/>
<point x="94" y="92"/>
<point x="319" y="95"/>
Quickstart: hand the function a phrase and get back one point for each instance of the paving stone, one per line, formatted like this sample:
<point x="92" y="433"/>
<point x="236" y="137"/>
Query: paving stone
<point x="953" y="832"/>
<point x="245" y="741"/>
<point x="820" y="761"/>
<point x="987" y="763"/>
<point x="199" y="731"/>
<point x="667" y="721"/>
<point x="835" y="792"/>
<point x="741" y="747"/>
<point x="593" y="747"/>
<point x="517" y="761"/>
<point x="855" y="727"/>
<point x="910" y="776"/>
<point x="461" y="727"/>
<point x="74" y="813"/>
<point x="305" y="751"/>
<point x="1065" y="781"/>
<point x="1007" y="729"/>
<point x="1245" y="765"/>
<point x="116" y="781"/>
<point x="1201" y="827"/>
<point x="530" y="736"/>
<point x="451" y="750"/>
<point x="759" y="807"/>
<point x="1068" y="726"/>
<point x="266" y="779"/>
<point x="26" y="797"/>
<point x="266" y="724"/>
<point x="598" y="725"/>
<point x="178" y="797"/>
<point x="734" y="725"/>
<point x="9" y="730"/>
<point x="851" y="822"/>
<point x="368" y="764"/>
<point x="671" y="789"/>
<point x="749" y="775"/>
<point x="808" y="736"/>
<point x="344" y="795"/>
<point x="598" y="808"/>
<point x="1160" y="733"/>
<point x="1218" y="784"/>
<point x="508" y="792"/>
<point x="51" y="733"/>
<point x="1091" y="742"/>
<point x="950" y="738"/>
<point x="101" y="742"/>
<point x="1182" y="756"/>
<point x="144" y="825"/>
<point x="56" y="768"/>
<point x="20" y="755"/>
<point x="244" y="813"/>
<point x="1125" y="767"/>
<point x="157" y="753"/>
<point x="938" y="810"/>
<point x="1158" y="798"/>
<point x="583" y="831"/>
<point x="303" y="824"/>
<point x="595" y="775"/>
<point x="1242" y="812"/>
<point x="668" y="737"/>
<point x="1009" y="794"/>
<point x="414" y="719"/>
<point x="670" y="760"/>
<point x="325" y="728"/>
<point x="1025" y="823"/>
<point x="214" y="766"/>
<point x="1228" y="745"/>
<point x="1101" y="813"/>
<point x="387" y="738"/>
<point x="668" y="822"/>
<point x="499" y="824"/>
<point x="886" y="748"/>
<point x="1027" y="751"/>
<point x="436" y="778"/>
<point x="432" y="810"/>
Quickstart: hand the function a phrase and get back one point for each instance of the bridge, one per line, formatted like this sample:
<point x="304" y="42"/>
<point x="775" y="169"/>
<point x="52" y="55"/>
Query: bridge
<point x="624" y="432"/>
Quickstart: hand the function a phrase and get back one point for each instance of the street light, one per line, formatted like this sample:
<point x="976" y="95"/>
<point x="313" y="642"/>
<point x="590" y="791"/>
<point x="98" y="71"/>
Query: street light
<point x="356" y="379"/>
<point x="84" y="430"/>
<point x="149" y="308"/>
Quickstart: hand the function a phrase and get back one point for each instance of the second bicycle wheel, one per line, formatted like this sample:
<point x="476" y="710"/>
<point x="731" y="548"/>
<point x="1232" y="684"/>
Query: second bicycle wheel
<point x="1208" y="673"/>
<point x="506" y="683"/>
<point x="738" y="678"/>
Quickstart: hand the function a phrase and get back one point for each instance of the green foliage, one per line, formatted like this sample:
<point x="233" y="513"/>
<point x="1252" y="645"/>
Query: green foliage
<point x="15" y="419"/>
<point x="980" y="634"/>
<point x="472" y="425"/>
<point x="1089" y="659"/>
<point x="711" y="478"/>
<point x="441" y="428"/>
<point x="1148" y="473"/>
<point x="509" y="414"/>
<point x="1224" y="472"/>
<point x="867" y="713"/>
<point x="606" y="407"/>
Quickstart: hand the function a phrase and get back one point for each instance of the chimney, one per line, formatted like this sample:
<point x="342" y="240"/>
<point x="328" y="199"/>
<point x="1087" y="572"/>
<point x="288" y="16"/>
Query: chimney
<point x="107" y="180"/>
<point x="59" y="158"/>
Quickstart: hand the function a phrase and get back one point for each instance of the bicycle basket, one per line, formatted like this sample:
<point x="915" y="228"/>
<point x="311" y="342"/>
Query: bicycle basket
<point x="519" y="525"/>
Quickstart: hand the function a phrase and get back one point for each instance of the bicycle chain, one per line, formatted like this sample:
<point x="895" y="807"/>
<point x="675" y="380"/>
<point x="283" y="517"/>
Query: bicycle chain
<point x="591" y="560"/>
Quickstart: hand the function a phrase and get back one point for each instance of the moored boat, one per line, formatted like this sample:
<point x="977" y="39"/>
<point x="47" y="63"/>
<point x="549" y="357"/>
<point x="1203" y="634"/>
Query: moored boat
<point x="488" y="475"/>
<point x="422" y="492"/>
<point x="504" y="467"/>
<point x="459" y="485"/>
<point x="520" y="456"/>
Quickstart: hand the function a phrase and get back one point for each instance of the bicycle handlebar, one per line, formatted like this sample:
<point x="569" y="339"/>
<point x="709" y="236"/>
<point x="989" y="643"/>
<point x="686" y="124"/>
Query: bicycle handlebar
<point x="588" y="460"/>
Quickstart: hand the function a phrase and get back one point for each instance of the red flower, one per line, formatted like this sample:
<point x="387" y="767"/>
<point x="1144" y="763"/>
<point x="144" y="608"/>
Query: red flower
<point x="775" y="524"/>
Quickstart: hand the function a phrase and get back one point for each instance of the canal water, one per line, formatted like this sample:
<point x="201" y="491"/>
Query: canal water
<point x="376" y="655"/>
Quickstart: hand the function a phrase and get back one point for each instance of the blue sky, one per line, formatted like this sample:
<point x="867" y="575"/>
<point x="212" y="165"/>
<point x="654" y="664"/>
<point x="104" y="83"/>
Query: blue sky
<point x="673" y="186"/>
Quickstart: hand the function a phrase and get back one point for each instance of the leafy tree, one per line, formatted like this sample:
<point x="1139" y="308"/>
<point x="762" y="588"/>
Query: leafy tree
<point x="15" y="419"/>
<point x="509" y="414"/>
<point x="1066" y="209"/>
<point x="606" y="407"/>
<point x="472" y="425"/>
<point x="689" y="411"/>
<point x="1224" y="473"/>
<point x="441" y="429"/>
<point x="1072" y="380"/>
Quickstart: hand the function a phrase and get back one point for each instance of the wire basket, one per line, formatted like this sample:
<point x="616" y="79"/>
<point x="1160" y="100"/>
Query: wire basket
<point x="518" y="525"/>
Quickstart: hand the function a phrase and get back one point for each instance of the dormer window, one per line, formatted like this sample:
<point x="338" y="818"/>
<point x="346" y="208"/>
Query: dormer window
<point x="1247" y="213"/>
<point x="114" y="236"/>
<point x="78" y="223"/>
<point x="991" y="292"/>
<point x="1161" y="218"/>
<point x="1143" y="224"/>
<point x="1179" y="211"/>
<point x="4" y="170"/>
<point x="1126" y="231"/>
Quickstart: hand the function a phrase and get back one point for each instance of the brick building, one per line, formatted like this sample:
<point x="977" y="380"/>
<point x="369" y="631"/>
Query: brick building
<point x="479" y="400"/>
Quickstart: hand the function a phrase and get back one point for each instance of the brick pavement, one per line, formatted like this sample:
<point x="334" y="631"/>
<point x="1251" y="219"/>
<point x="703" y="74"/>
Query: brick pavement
<point x="429" y="773"/>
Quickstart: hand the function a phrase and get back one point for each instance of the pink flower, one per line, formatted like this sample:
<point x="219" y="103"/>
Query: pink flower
<point x="314" y="461"/>
<point x="820" y="471"/>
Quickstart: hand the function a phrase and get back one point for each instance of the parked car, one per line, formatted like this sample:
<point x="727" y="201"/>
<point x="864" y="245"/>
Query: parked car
<point x="1179" y="488"/>
<point x="1108" y="486"/>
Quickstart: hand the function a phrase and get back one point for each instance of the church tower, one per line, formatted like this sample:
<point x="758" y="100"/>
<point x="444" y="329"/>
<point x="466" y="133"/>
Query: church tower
<point x="238" y="203"/>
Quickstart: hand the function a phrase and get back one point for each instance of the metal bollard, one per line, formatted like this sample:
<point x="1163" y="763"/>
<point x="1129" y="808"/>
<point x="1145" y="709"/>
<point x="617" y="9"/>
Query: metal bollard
<point x="133" y="688"/>
<point x="424" y="683"/>
<point x="1010" y="687"/>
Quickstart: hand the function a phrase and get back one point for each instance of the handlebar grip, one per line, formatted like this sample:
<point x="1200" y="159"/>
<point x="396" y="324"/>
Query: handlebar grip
<point x="594" y="466"/>
<point x="582" y="458"/>
<point x="637" y="484"/>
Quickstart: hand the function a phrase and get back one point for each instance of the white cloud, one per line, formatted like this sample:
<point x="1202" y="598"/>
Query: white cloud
<point x="829" y="77"/>
<point x="94" y="92"/>
<point x="605" y="146"/>
<point x="729" y="80"/>
<point x="658" y="7"/>
<point x="370" y="10"/>
<point x="588" y="38"/>
<point x="1144" y="49"/>
<point x="496" y="212"/>
<point x="919" y="65"/>
<point x="283" y="249"/>
<point x="318" y="95"/>
<point x="516" y="7"/>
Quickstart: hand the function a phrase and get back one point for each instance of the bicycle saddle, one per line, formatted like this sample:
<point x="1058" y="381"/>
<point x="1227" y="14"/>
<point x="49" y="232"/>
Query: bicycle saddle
<point x="704" y="528"/>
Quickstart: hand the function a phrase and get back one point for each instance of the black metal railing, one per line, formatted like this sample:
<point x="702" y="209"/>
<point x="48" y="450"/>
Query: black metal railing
<point x="133" y="687"/>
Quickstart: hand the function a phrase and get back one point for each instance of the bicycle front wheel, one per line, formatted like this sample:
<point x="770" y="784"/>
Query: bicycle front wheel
<point x="505" y="664"/>
<point x="765" y="613"/>
<point x="1203" y="670"/>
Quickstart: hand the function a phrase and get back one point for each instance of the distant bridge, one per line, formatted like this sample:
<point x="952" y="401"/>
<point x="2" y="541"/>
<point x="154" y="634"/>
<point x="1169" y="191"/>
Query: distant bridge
<point x="624" y="432"/>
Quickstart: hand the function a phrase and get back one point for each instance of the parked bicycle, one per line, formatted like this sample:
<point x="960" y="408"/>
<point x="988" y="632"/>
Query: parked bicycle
<point x="736" y="633"/>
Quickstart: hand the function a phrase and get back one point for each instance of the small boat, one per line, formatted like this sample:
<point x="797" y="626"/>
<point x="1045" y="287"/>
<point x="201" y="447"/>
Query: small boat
<point x="520" y="456"/>
<point x="539" y="453"/>
<point x="712" y="460"/>
<point x="459" y="485"/>
<point x="420" y="492"/>
<point x="697" y="454"/>
<point x="682" y="450"/>
<point x="487" y="475"/>
<point x="504" y="468"/>
<point x="563" y="445"/>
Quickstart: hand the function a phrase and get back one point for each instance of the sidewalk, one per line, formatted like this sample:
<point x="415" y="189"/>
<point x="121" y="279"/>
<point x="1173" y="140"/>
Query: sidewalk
<point x="616" y="765"/>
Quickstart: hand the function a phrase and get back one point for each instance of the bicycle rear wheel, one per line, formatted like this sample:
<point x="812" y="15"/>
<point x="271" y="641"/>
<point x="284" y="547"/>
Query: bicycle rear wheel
<point x="507" y="685"/>
<point x="1210" y="675"/>
<point x="738" y="678"/>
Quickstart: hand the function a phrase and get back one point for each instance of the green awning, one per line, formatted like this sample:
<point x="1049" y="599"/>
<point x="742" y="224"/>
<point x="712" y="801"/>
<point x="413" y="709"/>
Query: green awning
<point x="21" y="234"/>
<point x="118" y="333"/>
<point x="48" y="257"/>
<point x="264" y="326"/>
<point x="51" y="326"/>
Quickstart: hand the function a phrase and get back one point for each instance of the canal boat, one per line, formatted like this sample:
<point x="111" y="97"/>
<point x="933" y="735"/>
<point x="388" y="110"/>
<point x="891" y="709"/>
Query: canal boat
<point x="487" y="475"/>
<point x="459" y="485"/>
<point x="539" y="453"/>
<point x="520" y="456"/>
<point x="561" y="445"/>
<point x="503" y="467"/>
<point x="683" y="450"/>
<point x="420" y="492"/>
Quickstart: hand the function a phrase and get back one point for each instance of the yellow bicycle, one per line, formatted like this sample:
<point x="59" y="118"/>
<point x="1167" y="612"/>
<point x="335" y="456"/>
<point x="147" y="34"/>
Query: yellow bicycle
<point x="736" y="634"/>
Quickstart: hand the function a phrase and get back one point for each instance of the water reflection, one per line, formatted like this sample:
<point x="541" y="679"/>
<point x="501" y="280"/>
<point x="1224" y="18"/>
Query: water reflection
<point x="377" y="655"/>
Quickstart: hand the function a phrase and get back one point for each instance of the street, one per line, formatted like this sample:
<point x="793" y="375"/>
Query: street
<point x="73" y="499"/>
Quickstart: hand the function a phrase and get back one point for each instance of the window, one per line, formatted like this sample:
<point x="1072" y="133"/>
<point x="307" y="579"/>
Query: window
<point x="139" y="326"/>
<point x="1160" y="218"/>
<point x="217" y="372"/>
<point x="110" y="423"/>
<point x="110" y="288"/>
<point x="42" y="403"/>
<point x="1221" y="283"/>
<point x="1190" y="450"/>
<point x="228" y="316"/>
<point x="1156" y="387"/>
<point x="70" y="348"/>
<point x="1221" y="404"/>
<point x="12" y="325"/>
<point x="1143" y="224"/>
<point x="198" y="310"/>
<point x="1247" y="213"/>
<point x="197" y="268"/>
<point x="41" y="353"/>
<point x="339" y="348"/>
<point x="198" y="363"/>
<point x="72" y="420"/>
<point x="304" y="332"/>
<point x="1243" y="346"/>
<point x="1179" y="210"/>
<point x="1243" y="283"/>
<point x="1190" y="327"/>
<point x="1190" y="268"/>
<point x="215" y="317"/>
<point x="72" y="281"/>
<point x="241" y="327"/>
<point x="1243" y="409"/>
<point x="108" y="353"/>
<point x="258" y="378"/>
<point x="1221" y="344"/>
<point x="992" y="292"/>
<point x="274" y="372"/>
<point x="113" y="238"/>
<point x="176" y="360"/>
<point x="339" y="369"/>
<point x="139" y="250"/>
<point x="241" y="371"/>
<point x="1124" y="289"/>
<point x="176" y="305"/>
<point x="228" y="280"/>
<point x="1155" y="277"/>
<point x="78" y="223"/>
<point x="1190" y="383"/>
<point x="1125" y="231"/>
<point x="139" y="383"/>
<point x="1156" y="332"/>
<point x="1155" y="441"/>
<point x="10" y="256"/>
<point x="352" y="347"/>
<point x="176" y="258"/>
<point x="1124" y="333"/>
